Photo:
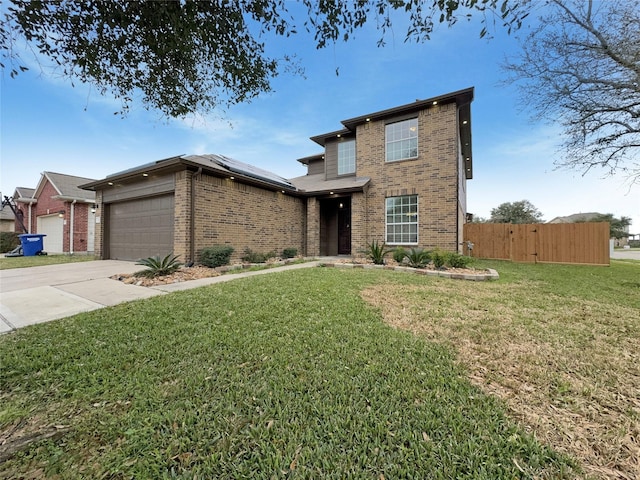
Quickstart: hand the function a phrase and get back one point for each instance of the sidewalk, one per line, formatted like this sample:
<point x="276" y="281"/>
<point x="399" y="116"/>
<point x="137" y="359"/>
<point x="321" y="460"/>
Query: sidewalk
<point x="40" y="294"/>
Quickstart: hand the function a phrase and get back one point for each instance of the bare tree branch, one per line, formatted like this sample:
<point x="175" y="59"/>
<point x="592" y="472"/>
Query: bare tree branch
<point x="580" y="66"/>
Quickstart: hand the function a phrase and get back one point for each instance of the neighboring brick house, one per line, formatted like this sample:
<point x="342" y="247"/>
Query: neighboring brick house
<point x="62" y="211"/>
<point x="397" y="175"/>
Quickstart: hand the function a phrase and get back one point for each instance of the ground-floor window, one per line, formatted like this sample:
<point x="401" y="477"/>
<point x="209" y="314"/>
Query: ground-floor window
<point x="402" y="220"/>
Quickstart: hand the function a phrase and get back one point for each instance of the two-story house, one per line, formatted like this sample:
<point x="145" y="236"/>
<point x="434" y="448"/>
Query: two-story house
<point x="397" y="175"/>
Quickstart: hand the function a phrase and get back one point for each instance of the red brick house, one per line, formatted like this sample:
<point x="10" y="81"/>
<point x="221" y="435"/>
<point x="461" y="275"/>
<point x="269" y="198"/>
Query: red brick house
<point x="61" y="210"/>
<point x="397" y="175"/>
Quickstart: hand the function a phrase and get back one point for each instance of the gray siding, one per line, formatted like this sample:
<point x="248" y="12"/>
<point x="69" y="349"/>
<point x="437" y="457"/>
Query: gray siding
<point x="149" y="187"/>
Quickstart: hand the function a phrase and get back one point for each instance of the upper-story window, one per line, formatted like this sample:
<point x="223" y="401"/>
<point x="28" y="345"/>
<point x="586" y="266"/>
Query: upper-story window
<point x="402" y="140"/>
<point x="346" y="157"/>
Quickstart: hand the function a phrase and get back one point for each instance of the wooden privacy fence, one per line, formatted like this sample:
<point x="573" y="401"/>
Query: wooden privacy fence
<point x="584" y="243"/>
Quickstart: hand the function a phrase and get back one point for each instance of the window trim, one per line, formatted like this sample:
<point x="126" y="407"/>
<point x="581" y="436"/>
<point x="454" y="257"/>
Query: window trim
<point x="387" y="224"/>
<point x="387" y="141"/>
<point x="345" y="142"/>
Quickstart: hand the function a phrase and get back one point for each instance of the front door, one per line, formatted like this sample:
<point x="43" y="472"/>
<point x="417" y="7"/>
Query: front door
<point x="344" y="227"/>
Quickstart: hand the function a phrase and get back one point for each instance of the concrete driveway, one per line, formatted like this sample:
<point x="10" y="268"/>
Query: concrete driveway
<point x="40" y="294"/>
<point x="623" y="254"/>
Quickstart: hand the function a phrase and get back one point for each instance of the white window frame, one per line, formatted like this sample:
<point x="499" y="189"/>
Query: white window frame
<point x="347" y="157"/>
<point x="399" y="140"/>
<point x="396" y="218"/>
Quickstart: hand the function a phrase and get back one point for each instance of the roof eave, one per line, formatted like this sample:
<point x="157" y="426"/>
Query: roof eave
<point x="460" y="97"/>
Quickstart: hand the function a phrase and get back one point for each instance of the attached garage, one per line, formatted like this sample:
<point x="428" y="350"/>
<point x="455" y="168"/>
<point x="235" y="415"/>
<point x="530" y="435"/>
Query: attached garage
<point x="138" y="218"/>
<point x="141" y="228"/>
<point x="51" y="226"/>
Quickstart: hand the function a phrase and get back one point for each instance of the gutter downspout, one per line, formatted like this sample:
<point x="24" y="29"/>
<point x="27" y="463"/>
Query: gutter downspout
<point x="71" y="221"/>
<point x="192" y="220"/>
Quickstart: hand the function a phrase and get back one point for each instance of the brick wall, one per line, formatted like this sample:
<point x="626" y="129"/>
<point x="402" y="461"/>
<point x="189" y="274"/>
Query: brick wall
<point x="46" y="206"/>
<point x="80" y="228"/>
<point x="50" y="206"/>
<point x="231" y="213"/>
<point x="433" y="176"/>
<point x="100" y="223"/>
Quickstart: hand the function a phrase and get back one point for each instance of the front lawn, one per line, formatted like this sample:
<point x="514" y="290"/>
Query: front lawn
<point x="335" y="373"/>
<point x="39" y="260"/>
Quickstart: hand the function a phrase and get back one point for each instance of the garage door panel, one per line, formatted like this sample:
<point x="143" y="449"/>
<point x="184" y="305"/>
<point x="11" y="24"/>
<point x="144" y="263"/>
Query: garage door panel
<point x="141" y="228"/>
<point x="51" y="226"/>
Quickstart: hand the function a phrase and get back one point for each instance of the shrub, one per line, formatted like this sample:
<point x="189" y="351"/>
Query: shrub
<point x="157" y="266"/>
<point x="216" y="256"/>
<point x="8" y="241"/>
<point x="438" y="258"/>
<point x="634" y="243"/>
<point x="256" y="257"/>
<point x="289" y="252"/>
<point x="376" y="252"/>
<point x="399" y="253"/>
<point x="418" y="257"/>
<point x="455" y="260"/>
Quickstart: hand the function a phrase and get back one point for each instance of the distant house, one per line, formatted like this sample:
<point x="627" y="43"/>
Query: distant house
<point x="590" y="217"/>
<point x="62" y="211"/>
<point x="7" y="220"/>
<point x="23" y="201"/>
<point x="396" y="176"/>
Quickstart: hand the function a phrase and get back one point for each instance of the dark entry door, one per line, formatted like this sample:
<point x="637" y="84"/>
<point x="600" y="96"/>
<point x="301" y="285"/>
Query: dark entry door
<point x="344" y="229"/>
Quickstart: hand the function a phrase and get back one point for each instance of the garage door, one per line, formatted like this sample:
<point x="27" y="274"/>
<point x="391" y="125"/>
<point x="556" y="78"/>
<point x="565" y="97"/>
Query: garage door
<point x="51" y="226"/>
<point x="141" y="228"/>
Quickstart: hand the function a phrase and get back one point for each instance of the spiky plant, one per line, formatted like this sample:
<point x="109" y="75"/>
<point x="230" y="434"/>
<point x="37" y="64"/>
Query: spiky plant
<point x="157" y="266"/>
<point x="418" y="257"/>
<point x="376" y="251"/>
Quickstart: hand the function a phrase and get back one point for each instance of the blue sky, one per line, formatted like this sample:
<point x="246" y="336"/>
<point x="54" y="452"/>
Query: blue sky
<point x="48" y="125"/>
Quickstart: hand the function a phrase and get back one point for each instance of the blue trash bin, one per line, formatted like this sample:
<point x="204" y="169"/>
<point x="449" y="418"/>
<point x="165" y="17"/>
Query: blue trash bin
<point x="31" y="244"/>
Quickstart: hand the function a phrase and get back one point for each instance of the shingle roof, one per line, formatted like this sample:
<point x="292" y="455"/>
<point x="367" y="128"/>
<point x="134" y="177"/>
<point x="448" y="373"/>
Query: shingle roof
<point x="7" y="214"/>
<point x="67" y="185"/>
<point x="24" y="192"/>
<point x="576" y="217"/>
<point x="317" y="184"/>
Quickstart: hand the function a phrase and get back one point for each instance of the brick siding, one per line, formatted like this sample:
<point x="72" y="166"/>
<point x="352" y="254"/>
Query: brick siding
<point x="47" y="205"/>
<point x="228" y="212"/>
<point x="433" y="176"/>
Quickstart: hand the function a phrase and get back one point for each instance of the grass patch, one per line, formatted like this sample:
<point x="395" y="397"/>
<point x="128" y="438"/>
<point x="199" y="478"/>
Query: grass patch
<point x="283" y="375"/>
<point x="39" y="260"/>
<point x="559" y="344"/>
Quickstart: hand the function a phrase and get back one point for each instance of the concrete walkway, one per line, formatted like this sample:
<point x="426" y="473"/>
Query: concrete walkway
<point x="40" y="294"/>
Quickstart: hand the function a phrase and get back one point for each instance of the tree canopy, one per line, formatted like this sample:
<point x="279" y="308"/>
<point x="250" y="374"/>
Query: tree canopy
<point x="185" y="56"/>
<point x="581" y="67"/>
<point x="522" y="211"/>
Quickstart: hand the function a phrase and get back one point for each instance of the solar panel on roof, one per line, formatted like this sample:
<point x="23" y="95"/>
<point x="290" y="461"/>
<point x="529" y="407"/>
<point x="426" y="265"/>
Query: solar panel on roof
<point x="252" y="171"/>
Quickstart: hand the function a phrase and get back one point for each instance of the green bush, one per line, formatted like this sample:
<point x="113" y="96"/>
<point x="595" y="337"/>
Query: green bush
<point x="439" y="258"/>
<point x="418" y="257"/>
<point x="455" y="260"/>
<point x="256" y="257"/>
<point x="216" y="256"/>
<point x="634" y="243"/>
<point x="157" y="266"/>
<point x="289" y="252"/>
<point x="399" y="253"/>
<point x="8" y="241"/>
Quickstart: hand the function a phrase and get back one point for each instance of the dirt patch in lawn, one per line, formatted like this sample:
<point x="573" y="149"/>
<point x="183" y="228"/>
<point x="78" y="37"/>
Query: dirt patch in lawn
<point x="566" y="368"/>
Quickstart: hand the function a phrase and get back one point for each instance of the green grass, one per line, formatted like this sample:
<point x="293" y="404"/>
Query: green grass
<point x="559" y="343"/>
<point x="39" y="260"/>
<point x="289" y="375"/>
